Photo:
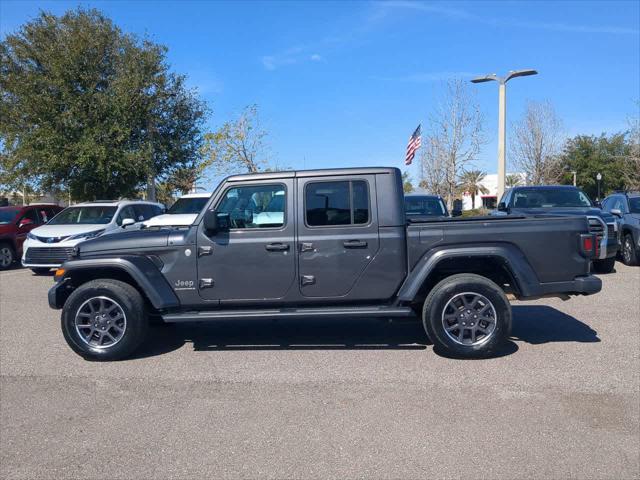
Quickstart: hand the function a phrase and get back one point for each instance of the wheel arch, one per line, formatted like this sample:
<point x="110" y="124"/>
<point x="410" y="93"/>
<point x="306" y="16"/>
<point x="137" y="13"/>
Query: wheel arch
<point x="137" y="271"/>
<point x="505" y="265"/>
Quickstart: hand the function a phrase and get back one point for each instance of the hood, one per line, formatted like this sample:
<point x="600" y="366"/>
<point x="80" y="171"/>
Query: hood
<point x="65" y="230"/>
<point x="168" y="220"/>
<point x="125" y="241"/>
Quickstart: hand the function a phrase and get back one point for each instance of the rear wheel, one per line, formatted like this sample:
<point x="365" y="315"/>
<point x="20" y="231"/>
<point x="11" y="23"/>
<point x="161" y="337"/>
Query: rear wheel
<point x="604" y="266"/>
<point x="629" y="253"/>
<point x="40" y="271"/>
<point x="7" y="256"/>
<point x="467" y="316"/>
<point x="104" y="320"/>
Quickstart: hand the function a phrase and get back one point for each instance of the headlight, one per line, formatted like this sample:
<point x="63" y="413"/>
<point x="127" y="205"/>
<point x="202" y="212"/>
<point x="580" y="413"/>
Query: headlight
<point x="87" y="235"/>
<point x="31" y="236"/>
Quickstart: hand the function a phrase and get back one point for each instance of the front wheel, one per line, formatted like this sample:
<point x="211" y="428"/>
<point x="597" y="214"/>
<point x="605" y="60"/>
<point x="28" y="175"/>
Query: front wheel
<point x="104" y="320"/>
<point x="467" y="316"/>
<point x="629" y="253"/>
<point x="6" y="256"/>
<point x="604" y="266"/>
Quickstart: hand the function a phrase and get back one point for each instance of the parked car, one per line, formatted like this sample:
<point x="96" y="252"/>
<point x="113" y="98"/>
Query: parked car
<point x="566" y="200"/>
<point x="341" y="247"/>
<point x="182" y="213"/>
<point x="421" y="205"/>
<point x="626" y="208"/>
<point x="15" y="223"/>
<point x="50" y="245"/>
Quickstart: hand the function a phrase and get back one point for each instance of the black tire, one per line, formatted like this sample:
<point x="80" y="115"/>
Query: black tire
<point x="460" y="288"/>
<point x="604" y="266"/>
<point x="127" y="299"/>
<point x="629" y="252"/>
<point x="7" y="256"/>
<point x="40" y="271"/>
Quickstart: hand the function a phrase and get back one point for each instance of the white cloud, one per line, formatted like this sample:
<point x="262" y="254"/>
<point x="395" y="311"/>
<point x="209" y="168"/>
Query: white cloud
<point x="315" y="58"/>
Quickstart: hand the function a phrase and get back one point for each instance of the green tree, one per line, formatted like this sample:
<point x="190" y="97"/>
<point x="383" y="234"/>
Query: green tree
<point x="590" y="155"/>
<point x="513" y="180"/>
<point x="88" y="107"/>
<point x="238" y="146"/>
<point x="407" y="186"/>
<point x="471" y="183"/>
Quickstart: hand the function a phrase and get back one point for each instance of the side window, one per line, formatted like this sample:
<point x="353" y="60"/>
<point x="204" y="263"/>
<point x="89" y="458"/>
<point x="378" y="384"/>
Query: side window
<point x="126" y="212"/>
<point x="619" y="203"/>
<point x="254" y="206"/>
<point x="47" y="214"/>
<point x="607" y="203"/>
<point x="145" y="212"/>
<point x="32" y="215"/>
<point x="337" y="203"/>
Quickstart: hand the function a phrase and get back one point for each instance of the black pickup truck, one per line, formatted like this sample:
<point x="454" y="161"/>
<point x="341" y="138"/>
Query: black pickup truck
<point x="566" y="200"/>
<point x="316" y="244"/>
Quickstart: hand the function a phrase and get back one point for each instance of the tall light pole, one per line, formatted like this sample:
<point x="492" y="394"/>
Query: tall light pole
<point x="502" y="119"/>
<point x="599" y="178"/>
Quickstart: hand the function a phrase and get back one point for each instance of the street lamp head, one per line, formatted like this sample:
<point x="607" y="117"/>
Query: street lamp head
<point x="599" y="176"/>
<point x="520" y="73"/>
<point x="486" y="78"/>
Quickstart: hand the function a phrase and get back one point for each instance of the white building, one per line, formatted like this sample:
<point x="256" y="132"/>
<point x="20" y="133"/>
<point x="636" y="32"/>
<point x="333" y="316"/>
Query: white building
<point x="488" y="200"/>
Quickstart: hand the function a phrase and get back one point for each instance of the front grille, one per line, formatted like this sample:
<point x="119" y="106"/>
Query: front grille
<point x="47" y="256"/>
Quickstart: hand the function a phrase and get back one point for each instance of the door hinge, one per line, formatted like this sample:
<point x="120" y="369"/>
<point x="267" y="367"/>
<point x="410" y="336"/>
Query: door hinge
<point x="202" y="251"/>
<point x="307" y="280"/>
<point x="206" y="283"/>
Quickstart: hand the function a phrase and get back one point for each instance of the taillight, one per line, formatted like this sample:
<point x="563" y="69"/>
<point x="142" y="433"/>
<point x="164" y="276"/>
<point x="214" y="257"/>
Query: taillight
<point x="589" y="245"/>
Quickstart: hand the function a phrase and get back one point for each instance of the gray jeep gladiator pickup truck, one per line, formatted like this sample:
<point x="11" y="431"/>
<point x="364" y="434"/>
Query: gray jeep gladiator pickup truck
<point x="316" y="244"/>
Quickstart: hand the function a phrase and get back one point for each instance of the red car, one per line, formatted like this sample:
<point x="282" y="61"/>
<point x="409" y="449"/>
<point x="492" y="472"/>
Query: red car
<point x="15" y="223"/>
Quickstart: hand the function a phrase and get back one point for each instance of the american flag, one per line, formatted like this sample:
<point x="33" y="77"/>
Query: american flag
<point x="413" y="145"/>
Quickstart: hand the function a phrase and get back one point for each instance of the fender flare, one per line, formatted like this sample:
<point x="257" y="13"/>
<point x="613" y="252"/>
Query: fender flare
<point x="523" y="274"/>
<point x="140" y="268"/>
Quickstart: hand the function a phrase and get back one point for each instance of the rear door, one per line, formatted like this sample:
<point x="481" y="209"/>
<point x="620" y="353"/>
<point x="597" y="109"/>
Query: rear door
<point x="337" y="233"/>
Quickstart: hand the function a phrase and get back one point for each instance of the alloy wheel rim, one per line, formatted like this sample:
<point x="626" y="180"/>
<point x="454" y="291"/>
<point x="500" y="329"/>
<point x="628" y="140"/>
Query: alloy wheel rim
<point x="5" y="256"/>
<point x="626" y="251"/>
<point x="469" y="319"/>
<point x="100" y="322"/>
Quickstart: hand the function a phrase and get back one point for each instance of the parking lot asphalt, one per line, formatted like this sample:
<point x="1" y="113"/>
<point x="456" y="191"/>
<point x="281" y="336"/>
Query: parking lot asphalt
<point x="326" y="398"/>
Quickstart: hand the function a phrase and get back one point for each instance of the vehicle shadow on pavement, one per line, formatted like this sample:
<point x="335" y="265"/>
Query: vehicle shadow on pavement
<point x="538" y="324"/>
<point x="535" y="324"/>
<point x="306" y="334"/>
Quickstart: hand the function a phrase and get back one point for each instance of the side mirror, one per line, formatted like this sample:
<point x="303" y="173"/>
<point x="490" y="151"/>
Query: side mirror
<point x="215" y="222"/>
<point x="503" y="207"/>
<point x="25" y="222"/>
<point x="127" y="221"/>
<point x="456" y="213"/>
<point x="617" y="212"/>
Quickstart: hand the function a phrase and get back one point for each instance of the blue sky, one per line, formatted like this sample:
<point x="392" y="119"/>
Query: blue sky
<point x="345" y="83"/>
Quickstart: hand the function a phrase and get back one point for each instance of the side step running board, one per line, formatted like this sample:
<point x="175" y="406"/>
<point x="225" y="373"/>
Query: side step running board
<point x="275" y="313"/>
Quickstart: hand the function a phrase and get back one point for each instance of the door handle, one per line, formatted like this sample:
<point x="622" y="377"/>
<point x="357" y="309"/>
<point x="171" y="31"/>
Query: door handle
<point x="354" y="244"/>
<point x="277" y="247"/>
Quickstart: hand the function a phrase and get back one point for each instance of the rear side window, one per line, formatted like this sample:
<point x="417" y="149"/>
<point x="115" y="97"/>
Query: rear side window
<point x="337" y="203"/>
<point x="145" y="212"/>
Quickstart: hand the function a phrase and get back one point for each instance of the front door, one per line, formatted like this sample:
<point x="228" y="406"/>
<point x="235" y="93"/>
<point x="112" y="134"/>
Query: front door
<point x="255" y="259"/>
<point x="337" y="234"/>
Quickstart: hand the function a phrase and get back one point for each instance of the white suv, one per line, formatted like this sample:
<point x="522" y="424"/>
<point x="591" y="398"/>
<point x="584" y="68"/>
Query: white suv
<point x="182" y="213"/>
<point x="50" y="245"/>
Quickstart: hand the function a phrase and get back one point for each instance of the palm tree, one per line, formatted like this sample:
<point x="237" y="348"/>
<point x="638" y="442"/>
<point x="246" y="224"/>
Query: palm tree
<point x="471" y="183"/>
<point x="513" y="180"/>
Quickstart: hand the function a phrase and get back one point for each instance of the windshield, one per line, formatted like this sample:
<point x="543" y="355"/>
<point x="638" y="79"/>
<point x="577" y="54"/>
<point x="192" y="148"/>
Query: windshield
<point x="84" y="216"/>
<point x="8" y="215"/>
<point x="549" y="198"/>
<point x="634" y="205"/>
<point x="188" y="205"/>
<point x="429" y="206"/>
